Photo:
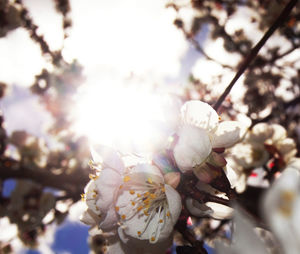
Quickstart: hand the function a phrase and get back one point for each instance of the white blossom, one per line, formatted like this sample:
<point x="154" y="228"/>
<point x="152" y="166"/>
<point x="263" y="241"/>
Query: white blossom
<point x="147" y="206"/>
<point x="252" y="152"/>
<point x="200" y="132"/>
<point x="101" y="192"/>
<point x="281" y="207"/>
<point x="209" y="209"/>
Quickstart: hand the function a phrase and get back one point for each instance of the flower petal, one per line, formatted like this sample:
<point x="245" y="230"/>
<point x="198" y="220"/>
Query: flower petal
<point x="227" y="134"/>
<point x="192" y="148"/>
<point x="89" y="217"/>
<point x="107" y="185"/>
<point x="107" y="156"/>
<point x="260" y="132"/>
<point x="280" y="209"/>
<point x="199" y="114"/>
<point x="174" y="202"/>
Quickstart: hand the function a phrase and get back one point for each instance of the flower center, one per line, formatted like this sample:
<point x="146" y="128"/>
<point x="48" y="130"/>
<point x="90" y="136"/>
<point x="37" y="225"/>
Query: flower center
<point x="148" y="201"/>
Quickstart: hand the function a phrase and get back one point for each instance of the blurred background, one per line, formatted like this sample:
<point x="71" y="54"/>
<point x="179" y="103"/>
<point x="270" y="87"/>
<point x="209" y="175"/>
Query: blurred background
<point x="76" y="74"/>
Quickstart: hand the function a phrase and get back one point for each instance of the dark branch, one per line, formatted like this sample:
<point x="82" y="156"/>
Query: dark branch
<point x="247" y="61"/>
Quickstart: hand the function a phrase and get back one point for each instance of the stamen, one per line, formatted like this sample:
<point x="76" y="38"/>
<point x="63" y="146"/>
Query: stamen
<point x="132" y="192"/>
<point x="123" y="217"/>
<point x="126" y="179"/>
<point x="117" y="208"/>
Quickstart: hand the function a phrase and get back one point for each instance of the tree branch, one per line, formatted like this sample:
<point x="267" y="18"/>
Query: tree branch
<point x="73" y="183"/>
<point x="247" y="61"/>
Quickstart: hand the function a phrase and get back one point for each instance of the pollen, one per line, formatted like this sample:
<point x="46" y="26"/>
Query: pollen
<point x="117" y="208"/>
<point x="220" y="118"/>
<point x="146" y="213"/>
<point x="146" y="201"/>
<point x="146" y="194"/>
<point x="152" y="239"/>
<point x="168" y="214"/>
<point x="123" y="217"/>
<point x="138" y="195"/>
<point x="139" y="233"/>
<point x="121" y="186"/>
<point x="149" y="180"/>
<point x="133" y="203"/>
<point x="163" y="189"/>
<point x="152" y="196"/>
<point x="139" y="208"/>
<point x="126" y="179"/>
<point x="132" y="192"/>
<point x="161" y="221"/>
<point x="82" y="197"/>
<point x="93" y="177"/>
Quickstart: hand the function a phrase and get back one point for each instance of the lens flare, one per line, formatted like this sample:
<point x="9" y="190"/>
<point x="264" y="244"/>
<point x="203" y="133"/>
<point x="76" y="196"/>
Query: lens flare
<point x="129" y="117"/>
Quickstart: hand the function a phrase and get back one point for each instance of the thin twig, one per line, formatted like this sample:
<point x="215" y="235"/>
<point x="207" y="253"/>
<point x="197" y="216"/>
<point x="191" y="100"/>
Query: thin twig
<point x="282" y="17"/>
<point x="201" y="50"/>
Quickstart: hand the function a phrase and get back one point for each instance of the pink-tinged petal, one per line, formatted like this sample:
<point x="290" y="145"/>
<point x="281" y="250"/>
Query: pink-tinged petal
<point x="227" y="134"/>
<point x="193" y="147"/>
<point x="172" y="179"/>
<point x="199" y="114"/>
<point x="107" y="157"/>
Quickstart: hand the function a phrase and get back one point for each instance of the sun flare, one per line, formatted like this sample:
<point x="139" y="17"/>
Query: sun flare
<point x="129" y="116"/>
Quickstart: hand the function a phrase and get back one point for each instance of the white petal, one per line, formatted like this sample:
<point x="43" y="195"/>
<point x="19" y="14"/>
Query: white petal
<point x="174" y="202"/>
<point x="145" y="169"/>
<point x="109" y="220"/>
<point x="116" y="246"/>
<point x="278" y="132"/>
<point x="199" y="114"/>
<point x="107" y="185"/>
<point x="107" y="156"/>
<point x="227" y="134"/>
<point x="250" y="155"/>
<point x="280" y="205"/>
<point x="137" y="246"/>
<point x="197" y="209"/>
<point x="260" y="132"/>
<point x="287" y="148"/>
<point x="220" y="211"/>
<point x="294" y="163"/>
<point x="246" y="241"/>
<point x="192" y="148"/>
<point x="89" y="217"/>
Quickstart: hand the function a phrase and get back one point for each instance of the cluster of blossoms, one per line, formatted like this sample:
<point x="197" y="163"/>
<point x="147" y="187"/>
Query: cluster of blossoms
<point x="280" y="208"/>
<point x="265" y="145"/>
<point x="137" y="206"/>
